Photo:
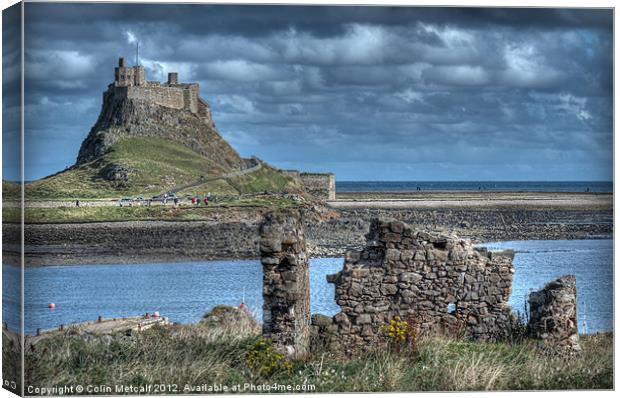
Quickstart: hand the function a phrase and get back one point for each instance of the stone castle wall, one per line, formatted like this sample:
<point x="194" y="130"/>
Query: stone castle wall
<point x="182" y="96"/>
<point x="321" y="185"/>
<point x="190" y="93"/>
<point x="130" y="82"/>
<point x="204" y="112"/>
<point x="170" y="97"/>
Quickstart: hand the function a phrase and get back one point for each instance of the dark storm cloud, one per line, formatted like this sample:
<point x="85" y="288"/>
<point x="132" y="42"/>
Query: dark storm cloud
<point x="367" y="92"/>
<point x="11" y="83"/>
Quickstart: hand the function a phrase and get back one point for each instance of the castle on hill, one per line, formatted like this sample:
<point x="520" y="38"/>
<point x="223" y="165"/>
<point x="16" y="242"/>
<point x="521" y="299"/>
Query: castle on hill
<point x="130" y="82"/>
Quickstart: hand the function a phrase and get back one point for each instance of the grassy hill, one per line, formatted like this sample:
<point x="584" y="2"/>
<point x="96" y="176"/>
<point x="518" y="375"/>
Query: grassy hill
<point x="153" y="165"/>
<point x="139" y="148"/>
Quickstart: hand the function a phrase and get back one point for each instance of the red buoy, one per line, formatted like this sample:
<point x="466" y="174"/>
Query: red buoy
<point x="52" y="306"/>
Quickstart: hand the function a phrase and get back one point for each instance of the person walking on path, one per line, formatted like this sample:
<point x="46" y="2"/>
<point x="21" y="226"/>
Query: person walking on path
<point x="77" y="203"/>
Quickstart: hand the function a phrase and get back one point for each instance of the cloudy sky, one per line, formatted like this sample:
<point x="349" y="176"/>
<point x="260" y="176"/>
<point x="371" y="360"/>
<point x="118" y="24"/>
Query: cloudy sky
<point x="370" y="93"/>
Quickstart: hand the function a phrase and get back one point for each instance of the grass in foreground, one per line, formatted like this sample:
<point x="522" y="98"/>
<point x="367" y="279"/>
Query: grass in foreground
<point x="192" y="355"/>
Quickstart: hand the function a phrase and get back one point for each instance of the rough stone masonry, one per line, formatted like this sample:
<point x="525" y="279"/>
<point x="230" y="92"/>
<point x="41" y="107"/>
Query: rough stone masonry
<point x="553" y="314"/>
<point x="441" y="283"/>
<point x="286" y="283"/>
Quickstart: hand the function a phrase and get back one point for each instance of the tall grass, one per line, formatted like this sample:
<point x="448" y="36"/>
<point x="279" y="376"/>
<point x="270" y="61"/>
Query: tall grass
<point x="206" y="354"/>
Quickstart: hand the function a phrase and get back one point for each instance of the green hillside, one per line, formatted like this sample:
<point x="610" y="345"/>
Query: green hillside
<point x="152" y="166"/>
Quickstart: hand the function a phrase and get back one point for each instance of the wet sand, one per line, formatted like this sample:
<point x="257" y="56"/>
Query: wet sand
<point x="467" y="199"/>
<point x="233" y="234"/>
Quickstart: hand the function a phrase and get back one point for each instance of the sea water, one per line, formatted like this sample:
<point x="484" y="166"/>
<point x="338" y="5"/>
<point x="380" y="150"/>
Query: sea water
<point x="185" y="291"/>
<point x="495" y="186"/>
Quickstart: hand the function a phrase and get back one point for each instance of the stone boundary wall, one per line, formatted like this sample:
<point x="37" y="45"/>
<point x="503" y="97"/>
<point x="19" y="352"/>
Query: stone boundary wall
<point x="553" y="314"/>
<point x="286" y="283"/>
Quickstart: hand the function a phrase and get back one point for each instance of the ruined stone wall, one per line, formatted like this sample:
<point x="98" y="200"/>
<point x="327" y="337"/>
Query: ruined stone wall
<point x="553" y="314"/>
<point x="442" y="283"/>
<point x="286" y="283"/>
<point x="321" y="185"/>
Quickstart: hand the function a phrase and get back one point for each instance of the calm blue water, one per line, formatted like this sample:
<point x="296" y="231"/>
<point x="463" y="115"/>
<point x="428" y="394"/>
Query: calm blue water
<point x="503" y="186"/>
<point x="185" y="291"/>
<point x="591" y="261"/>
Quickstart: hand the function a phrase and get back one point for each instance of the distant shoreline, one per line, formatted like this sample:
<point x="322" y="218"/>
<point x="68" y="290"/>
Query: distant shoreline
<point x="473" y="200"/>
<point x="475" y="186"/>
<point x="233" y="232"/>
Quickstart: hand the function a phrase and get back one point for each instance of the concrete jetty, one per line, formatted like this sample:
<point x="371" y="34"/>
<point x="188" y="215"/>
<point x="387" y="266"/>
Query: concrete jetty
<point x="98" y="327"/>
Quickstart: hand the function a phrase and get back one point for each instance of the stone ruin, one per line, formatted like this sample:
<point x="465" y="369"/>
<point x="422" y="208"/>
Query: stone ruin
<point x="286" y="283"/>
<point x="441" y="283"/>
<point x="553" y="314"/>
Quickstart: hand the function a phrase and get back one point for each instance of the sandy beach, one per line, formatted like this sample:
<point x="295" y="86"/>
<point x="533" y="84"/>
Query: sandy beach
<point x="460" y="199"/>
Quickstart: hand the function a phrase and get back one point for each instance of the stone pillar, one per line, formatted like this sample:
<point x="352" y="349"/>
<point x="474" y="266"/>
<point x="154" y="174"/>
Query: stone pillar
<point x="553" y="314"/>
<point x="286" y="283"/>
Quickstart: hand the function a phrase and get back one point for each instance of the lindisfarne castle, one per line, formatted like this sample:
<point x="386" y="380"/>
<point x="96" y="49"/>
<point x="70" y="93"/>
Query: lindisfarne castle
<point x="136" y="107"/>
<point x="130" y="82"/>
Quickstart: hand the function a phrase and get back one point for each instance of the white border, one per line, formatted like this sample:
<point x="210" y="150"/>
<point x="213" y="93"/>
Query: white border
<point x="452" y="3"/>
